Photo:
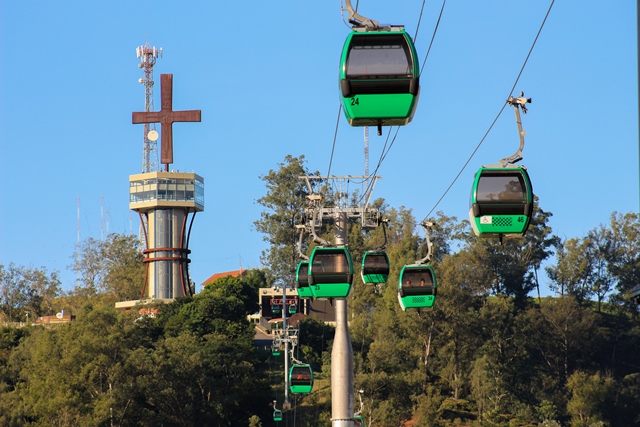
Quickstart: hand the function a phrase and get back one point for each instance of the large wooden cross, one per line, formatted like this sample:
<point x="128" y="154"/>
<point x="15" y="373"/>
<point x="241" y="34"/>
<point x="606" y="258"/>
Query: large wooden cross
<point x="166" y="116"/>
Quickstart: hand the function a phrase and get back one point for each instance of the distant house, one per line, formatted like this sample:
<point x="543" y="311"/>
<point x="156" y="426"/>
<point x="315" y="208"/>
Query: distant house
<point x="52" y="320"/>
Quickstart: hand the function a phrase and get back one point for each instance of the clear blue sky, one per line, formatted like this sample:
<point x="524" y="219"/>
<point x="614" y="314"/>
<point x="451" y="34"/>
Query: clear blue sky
<point x="264" y="75"/>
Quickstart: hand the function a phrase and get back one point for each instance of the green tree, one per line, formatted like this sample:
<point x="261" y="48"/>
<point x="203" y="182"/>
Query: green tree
<point x="208" y="363"/>
<point x="285" y="202"/>
<point x="13" y="295"/>
<point x="506" y="366"/>
<point x="244" y="287"/>
<point x="125" y="271"/>
<point x="428" y="406"/>
<point x="514" y="262"/>
<point x="112" y="268"/>
<point x="43" y="288"/>
<point x="315" y="338"/>
<point x="623" y="255"/>
<point x="601" y="279"/>
<point x="589" y="394"/>
<point x="565" y="335"/>
<point x="572" y="274"/>
<point x="26" y="292"/>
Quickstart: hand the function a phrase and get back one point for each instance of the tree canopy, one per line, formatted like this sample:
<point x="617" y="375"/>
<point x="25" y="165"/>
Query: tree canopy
<point x="491" y="352"/>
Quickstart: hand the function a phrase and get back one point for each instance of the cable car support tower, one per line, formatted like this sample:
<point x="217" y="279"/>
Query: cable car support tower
<point x="287" y="336"/>
<point x="342" y="385"/>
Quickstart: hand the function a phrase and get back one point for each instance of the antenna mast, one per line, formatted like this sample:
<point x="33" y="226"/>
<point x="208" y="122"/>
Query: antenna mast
<point x="148" y="56"/>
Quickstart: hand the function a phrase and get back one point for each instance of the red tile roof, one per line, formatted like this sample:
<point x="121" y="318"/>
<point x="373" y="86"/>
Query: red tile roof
<point x="234" y="273"/>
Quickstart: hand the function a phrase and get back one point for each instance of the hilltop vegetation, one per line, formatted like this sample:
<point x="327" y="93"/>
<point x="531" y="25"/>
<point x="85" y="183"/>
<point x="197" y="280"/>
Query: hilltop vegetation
<point x="491" y="352"/>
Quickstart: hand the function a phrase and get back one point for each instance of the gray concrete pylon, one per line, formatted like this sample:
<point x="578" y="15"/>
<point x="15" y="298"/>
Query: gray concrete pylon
<point x="342" y="353"/>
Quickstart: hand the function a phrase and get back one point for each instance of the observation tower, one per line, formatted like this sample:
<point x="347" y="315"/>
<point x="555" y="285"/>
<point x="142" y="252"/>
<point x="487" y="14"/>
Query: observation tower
<point x="167" y="202"/>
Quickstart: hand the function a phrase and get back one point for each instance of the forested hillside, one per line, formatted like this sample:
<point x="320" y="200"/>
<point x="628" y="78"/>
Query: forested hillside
<point x="491" y="352"/>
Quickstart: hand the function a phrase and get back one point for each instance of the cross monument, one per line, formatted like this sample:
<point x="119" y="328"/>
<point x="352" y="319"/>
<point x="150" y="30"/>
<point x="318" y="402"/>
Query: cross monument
<point x="166" y="116"/>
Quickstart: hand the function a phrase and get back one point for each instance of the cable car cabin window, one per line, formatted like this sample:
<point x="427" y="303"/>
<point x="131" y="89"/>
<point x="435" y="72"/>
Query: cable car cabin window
<point x="417" y="281"/>
<point x="380" y="56"/>
<point x="501" y="188"/>
<point x="301" y="375"/>
<point x="303" y="275"/>
<point x="327" y="262"/>
<point x="377" y="264"/>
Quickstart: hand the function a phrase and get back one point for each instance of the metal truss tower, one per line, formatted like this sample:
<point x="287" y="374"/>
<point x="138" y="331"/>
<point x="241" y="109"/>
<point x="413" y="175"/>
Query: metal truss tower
<point x="148" y="56"/>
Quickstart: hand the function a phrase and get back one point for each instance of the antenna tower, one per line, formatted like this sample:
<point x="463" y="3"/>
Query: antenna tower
<point x="148" y="56"/>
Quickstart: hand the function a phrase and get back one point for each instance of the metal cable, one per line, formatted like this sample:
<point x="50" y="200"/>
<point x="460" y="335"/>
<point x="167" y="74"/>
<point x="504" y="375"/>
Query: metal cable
<point x="499" y="113"/>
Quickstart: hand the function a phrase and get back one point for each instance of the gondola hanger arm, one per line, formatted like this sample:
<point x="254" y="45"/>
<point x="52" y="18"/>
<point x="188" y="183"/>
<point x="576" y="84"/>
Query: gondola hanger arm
<point x="426" y="225"/>
<point x="356" y="19"/>
<point x="383" y="222"/>
<point x="291" y="351"/>
<point x="317" y="239"/>
<point x="517" y="104"/>
<point x="360" y="393"/>
<point x="315" y="203"/>
<point x="302" y="228"/>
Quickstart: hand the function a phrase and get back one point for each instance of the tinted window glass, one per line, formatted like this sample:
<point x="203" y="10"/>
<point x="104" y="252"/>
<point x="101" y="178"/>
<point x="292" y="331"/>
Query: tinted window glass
<point x="501" y="187"/>
<point x="417" y="277"/>
<point x="375" y="261"/>
<point x="330" y="262"/>
<point x="379" y="56"/>
<point x="303" y="274"/>
<point x="301" y="374"/>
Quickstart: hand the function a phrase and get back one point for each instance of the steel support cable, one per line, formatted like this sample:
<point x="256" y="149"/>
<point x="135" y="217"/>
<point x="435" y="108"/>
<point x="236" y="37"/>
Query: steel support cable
<point x="535" y="40"/>
<point x="415" y="36"/>
<point x="383" y="155"/>
<point x="433" y="36"/>
<point x="335" y="137"/>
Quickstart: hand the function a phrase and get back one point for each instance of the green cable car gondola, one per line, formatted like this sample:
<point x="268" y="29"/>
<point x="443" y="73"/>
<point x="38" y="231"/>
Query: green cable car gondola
<point x="277" y="415"/>
<point x="331" y="274"/>
<point x="417" y="286"/>
<point x="275" y="350"/>
<point x="379" y="77"/>
<point x="293" y="308"/>
<point x="275" y="307"/>
<point x="375" y="267"/>
<point x="300" y="379"/>
<point x="302" y="280"/>
<point x="358" y="421"/>
<point x="501" y="202"/>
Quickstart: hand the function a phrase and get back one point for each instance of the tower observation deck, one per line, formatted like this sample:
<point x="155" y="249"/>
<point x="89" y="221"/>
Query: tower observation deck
<point x="166" y="199"/>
